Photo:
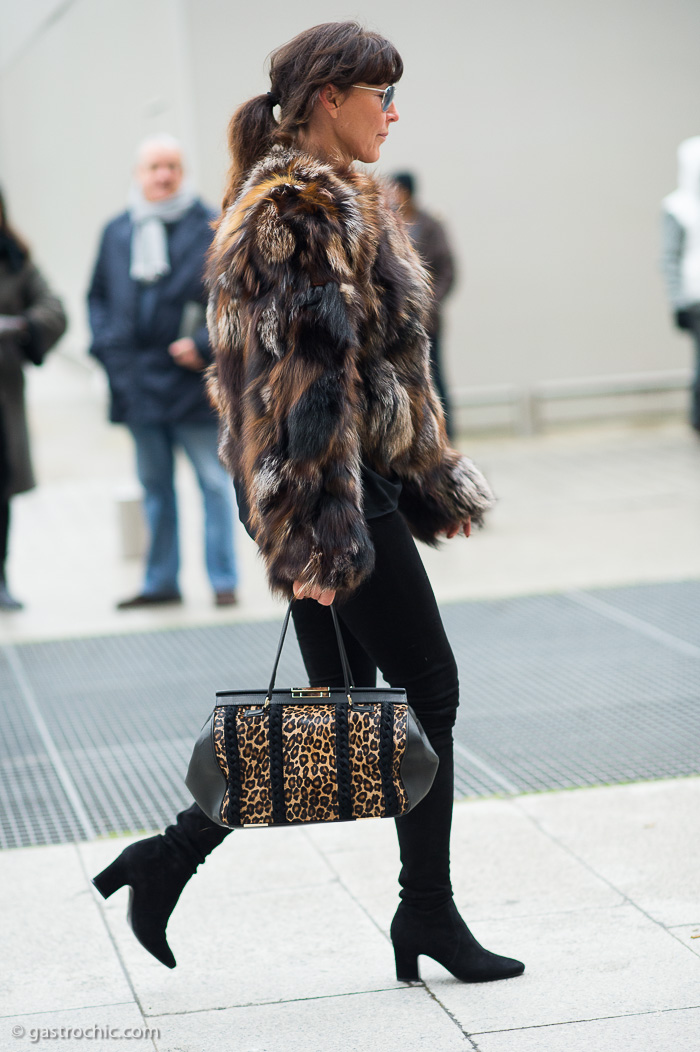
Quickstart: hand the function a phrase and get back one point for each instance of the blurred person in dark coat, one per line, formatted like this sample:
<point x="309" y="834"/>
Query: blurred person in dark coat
<point x="430" y="241"/>
<point x="31" y="322"/>
<point x="146" y="305"/>
<point x="681" y="255"/>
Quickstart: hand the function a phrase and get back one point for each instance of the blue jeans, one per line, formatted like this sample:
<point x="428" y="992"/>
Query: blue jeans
<point x="155" y="465"/>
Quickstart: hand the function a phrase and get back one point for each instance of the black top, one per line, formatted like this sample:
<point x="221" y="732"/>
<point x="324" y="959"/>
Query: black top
<point x="381" y="496"/>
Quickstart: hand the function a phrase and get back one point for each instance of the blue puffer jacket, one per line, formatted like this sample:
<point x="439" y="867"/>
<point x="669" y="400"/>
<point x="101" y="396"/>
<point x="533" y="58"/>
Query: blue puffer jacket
<point x="133" y="324"/>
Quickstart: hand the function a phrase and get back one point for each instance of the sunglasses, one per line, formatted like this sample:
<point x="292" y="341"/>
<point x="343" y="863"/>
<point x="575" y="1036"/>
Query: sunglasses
<point x="387" y="95"/>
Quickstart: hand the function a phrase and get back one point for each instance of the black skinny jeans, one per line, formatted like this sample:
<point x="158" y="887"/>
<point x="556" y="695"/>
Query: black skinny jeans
<point x="392" y="623"/>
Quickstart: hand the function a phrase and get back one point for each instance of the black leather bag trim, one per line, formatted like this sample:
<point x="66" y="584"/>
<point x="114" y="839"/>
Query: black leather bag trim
<point x="420" y="762"/>
<point x="205" y="779"/>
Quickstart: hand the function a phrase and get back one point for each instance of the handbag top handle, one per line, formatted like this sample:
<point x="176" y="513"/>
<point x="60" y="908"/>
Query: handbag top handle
<point x="347" y="675"/>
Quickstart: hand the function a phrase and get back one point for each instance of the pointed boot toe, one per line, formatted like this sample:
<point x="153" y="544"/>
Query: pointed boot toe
<point x="150" y="932"/>
<point x="156" y="877"/>
<point x="156" y="870"/>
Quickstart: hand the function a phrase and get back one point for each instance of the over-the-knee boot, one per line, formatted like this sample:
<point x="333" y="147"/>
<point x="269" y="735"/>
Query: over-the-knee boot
<point x="156" y="871"/>
<point x="427" y="921"/>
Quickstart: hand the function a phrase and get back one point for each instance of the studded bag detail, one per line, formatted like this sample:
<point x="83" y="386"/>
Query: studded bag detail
<point x="310" y="754"/>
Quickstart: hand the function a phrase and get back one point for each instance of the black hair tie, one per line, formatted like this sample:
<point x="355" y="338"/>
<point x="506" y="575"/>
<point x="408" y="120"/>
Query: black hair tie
<point x="274" y="99"/>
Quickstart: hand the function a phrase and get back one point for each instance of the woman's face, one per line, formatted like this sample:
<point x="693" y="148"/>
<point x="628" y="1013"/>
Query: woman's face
<point x="361" y="126"/>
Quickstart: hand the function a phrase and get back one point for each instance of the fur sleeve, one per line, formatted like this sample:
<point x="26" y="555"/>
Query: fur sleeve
<point x="284" y="321"/>
<point x="448" y="493"/>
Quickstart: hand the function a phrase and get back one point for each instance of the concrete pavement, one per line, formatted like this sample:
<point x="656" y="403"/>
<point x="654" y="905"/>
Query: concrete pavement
<point x="282" y="938"/>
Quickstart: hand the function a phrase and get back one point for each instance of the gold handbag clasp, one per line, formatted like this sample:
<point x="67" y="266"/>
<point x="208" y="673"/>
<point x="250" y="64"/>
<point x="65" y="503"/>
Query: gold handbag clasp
<point x="311" y="692"/>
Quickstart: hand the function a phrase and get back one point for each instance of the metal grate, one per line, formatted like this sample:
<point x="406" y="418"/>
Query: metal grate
<point x="557" y="691"/>
<point x="558" y="694"/>
<point x="34" y="808"/>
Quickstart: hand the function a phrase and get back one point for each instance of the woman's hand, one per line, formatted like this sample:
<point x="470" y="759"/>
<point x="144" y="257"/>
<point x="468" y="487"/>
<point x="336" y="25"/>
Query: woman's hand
<point x="459" y="527"/>
<point x="312" y="591"/>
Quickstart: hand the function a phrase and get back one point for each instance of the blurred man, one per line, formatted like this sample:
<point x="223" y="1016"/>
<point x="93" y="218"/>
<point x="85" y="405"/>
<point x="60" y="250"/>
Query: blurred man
<point x="146" y="305"/>
<point x="430" y="240"/>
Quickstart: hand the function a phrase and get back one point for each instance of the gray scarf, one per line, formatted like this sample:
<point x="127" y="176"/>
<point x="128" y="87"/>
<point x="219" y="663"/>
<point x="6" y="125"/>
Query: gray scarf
<point x="149" y="243"/>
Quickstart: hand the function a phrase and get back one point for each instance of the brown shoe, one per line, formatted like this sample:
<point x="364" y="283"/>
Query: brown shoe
<point x="150" y="599"/>
<point x="228" y="598"/>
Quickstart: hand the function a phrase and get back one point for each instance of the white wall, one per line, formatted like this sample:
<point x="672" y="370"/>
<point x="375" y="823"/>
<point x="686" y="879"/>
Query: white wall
<point x="21" y="22"/>
<point x="73" y="108"/>
<point x="544" y="132"/>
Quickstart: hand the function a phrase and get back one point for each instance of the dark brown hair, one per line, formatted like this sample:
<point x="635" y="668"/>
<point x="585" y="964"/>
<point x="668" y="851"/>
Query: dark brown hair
<point x="338" y="53"/>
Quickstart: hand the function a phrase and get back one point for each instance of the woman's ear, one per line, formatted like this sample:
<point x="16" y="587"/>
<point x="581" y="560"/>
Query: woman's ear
<point x="329" y="97"/>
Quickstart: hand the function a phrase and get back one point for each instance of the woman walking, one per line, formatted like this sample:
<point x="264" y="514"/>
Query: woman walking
<point x="336" y="442"/>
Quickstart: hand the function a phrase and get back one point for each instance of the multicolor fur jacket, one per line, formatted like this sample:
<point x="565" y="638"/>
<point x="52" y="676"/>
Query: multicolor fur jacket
<point x="317" y="302"/>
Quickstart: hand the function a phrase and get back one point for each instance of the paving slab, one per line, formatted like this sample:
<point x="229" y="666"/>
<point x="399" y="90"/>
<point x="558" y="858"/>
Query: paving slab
<point x="586" y="965"/>
<point x="236" y="944"/>
<point x="279" y="928"/>
<point x="689" y="935"/>
<point x="59" y="955"/>
<point x="503" y="865"/>
<point x="406" y="1020"/>
<point x="643" y="838"/>
<point x="658" y="1032"/>
<point x="365" y="858"/>
<point x="74" y="1030"/>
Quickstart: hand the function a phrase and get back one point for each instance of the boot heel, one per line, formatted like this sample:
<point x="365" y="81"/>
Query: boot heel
<point x="110" y="879"/>
<point x="406" y="966"/>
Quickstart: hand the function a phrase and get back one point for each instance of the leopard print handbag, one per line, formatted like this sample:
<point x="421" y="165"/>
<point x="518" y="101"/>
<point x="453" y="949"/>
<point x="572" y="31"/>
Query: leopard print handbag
<point x="323" y="754"/>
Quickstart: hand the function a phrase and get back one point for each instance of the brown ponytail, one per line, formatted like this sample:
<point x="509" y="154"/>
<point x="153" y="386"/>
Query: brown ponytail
<point x="339" y="53"/>
<point x="251" y="133"/>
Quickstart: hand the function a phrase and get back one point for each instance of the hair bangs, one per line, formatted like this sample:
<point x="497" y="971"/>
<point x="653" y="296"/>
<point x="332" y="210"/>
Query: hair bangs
<point x="381" y="62"/>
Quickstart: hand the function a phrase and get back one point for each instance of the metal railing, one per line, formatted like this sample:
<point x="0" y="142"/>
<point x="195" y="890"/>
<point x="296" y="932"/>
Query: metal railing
<point x="527" y="405"/>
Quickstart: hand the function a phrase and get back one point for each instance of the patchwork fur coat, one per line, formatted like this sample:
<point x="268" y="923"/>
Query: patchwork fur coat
<point x="316" y="312"/>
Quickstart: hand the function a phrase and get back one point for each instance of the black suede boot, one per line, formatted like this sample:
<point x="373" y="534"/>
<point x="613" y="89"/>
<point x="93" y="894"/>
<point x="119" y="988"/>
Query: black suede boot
<point x="427" y="921"/>
<point x="156" y="871"/>
<point x="442" y="934"/>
